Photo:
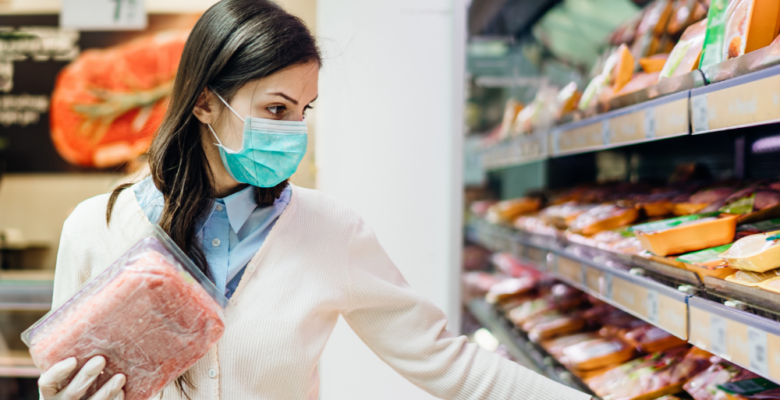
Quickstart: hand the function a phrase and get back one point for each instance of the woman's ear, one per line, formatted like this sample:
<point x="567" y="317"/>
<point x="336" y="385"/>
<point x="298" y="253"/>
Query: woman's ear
<point x="204" y="110"/>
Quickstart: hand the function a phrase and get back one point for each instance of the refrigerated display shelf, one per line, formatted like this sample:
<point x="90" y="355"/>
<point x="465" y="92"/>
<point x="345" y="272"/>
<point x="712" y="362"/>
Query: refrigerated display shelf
<point x="707" y="103"/>
<point x="26" y="295"/>
<point x="524" y="351"/>
<point x="749" y="318"/>
<point x="18" y="364"/>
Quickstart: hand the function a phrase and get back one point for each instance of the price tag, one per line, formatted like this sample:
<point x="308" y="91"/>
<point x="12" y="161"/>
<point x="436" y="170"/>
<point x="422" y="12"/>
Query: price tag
<point x="569" y="269"/>
<point x="607" y="288"/>
<point x="718" y="338"/>
<point x="671" y="119"/>
<point x="650" y="123"/>
<point x="593" y="277"/>
<point x="103" y="15"/>
<point x="605" y="132"/>
<point x="700" y="113"/>
<point x="758" y="351"/>
<point x="584" y="276"/>
<point x="652" y="306"/>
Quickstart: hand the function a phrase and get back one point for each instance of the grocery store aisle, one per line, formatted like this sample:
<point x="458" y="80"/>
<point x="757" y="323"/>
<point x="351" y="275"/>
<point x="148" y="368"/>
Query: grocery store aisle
<point x="389" y="144"/>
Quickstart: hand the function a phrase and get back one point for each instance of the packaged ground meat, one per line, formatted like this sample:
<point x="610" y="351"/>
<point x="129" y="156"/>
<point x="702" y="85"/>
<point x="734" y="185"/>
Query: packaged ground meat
<point x="152" y="314"/>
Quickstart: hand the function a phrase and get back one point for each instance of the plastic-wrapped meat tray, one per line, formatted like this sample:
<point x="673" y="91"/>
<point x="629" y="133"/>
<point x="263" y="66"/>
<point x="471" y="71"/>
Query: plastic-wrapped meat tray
<point x="151" y="314"/>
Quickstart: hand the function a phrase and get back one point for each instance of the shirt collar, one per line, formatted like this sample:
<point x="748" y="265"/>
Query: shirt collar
<point x="239" y="207"/>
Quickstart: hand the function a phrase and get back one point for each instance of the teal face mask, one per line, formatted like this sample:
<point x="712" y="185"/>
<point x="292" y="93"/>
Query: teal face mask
<point x="270" y="153"/>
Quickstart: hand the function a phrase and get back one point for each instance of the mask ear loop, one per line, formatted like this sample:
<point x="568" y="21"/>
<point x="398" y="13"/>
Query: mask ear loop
<point x="219" y="142"/>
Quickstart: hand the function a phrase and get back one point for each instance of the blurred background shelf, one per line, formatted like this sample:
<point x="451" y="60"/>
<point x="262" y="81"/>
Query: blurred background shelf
<point x="741" y="329"/>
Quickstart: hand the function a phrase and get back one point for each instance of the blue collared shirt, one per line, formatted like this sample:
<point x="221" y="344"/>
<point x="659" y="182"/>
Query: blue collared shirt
<point x="232" y="232"/>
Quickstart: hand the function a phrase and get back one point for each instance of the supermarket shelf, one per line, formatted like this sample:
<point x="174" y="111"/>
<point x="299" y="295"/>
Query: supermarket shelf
<point x="25" y="295"/>
<point x="18" y="364"/>
<point x="656" y="119"/>
<point x="748" y="100"/>
<point x="516" y="151"/>
<point x="750" y="341"/>
<point x="746" y="332"/>
<point x="523" y="350"/>
<point x="19" y="372"/>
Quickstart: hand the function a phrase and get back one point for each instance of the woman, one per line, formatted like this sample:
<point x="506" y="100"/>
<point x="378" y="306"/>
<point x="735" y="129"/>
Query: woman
<point x="291" y="260"/>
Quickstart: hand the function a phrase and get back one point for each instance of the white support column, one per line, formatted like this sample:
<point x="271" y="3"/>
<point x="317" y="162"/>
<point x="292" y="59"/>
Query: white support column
<point x="390" y="137"/>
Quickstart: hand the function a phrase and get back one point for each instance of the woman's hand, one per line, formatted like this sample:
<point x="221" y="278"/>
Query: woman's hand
<point x="49" y="383"/>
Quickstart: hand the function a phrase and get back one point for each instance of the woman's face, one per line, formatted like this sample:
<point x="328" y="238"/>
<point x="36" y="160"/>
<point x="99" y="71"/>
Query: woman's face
<point x="285" y="96"/>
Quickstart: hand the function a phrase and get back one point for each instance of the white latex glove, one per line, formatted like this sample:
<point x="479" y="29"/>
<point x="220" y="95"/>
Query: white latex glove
<point x="49" y="382"/>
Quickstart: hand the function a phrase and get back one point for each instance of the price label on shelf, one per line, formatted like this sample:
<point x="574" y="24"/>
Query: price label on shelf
<point x="103" y="15"/>
<point x="593" y="278"/>
<point x="700" y="329"/>
<point x="671" y="119"/>
<point x="749" y="103"/>
<point x="758" y="350"/>
<point x="650" y="123"/>
<point x="569" y="269"/>
<point x="581" y="138"/>
<point x="700" y="113"/>
<point x="718" y="338"/>
<point x="673" y="316"/>
<point x="535" y="255"/>
<point x="605" y="132"/>
<point x="607" y="287"/>
<point x="627" y="128"/>
<point x="652" y="306"/>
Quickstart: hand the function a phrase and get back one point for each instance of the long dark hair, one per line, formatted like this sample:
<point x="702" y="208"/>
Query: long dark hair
<point x="234" y="42"/>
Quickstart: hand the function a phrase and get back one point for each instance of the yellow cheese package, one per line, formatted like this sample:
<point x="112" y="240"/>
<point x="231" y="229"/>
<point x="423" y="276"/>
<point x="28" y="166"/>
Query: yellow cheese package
<point x="687" y="233"/>
<point x="751" y="278"/>
<point x="759" y="253"/>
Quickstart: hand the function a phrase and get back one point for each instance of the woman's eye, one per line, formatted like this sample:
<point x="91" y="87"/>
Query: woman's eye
<point x="307" y="108"/>
<point x="276" y="110"/>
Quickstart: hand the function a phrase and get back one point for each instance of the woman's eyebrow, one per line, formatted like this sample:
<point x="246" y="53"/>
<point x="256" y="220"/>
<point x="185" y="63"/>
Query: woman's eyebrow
<point x="290" y="99"/>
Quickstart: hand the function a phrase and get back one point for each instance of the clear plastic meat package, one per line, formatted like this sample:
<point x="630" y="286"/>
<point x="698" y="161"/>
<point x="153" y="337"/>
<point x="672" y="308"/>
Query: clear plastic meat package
<point x="152" y="314"/>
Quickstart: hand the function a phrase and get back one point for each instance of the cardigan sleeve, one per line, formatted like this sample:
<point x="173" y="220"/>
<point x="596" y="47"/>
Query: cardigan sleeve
<point x="408" y="333"/>
<point x="81" y="244"/>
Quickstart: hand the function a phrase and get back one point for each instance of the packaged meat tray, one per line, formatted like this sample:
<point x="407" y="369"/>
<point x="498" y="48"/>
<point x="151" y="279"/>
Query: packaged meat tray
<point x="708" y="262"/>
<point x="152" y="314"/>
<point x="650" y="377"/>
<point x="602" y="218"/>
<point x="597" y="353"/>
<point x="651" y="339"/>
<point x="688" y="233"/>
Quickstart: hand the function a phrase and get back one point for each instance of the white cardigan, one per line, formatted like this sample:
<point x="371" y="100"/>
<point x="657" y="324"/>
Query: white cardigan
<point x="319" y="261"/>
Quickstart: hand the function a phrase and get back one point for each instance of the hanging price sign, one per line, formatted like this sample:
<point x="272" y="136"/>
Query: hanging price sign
<point x="103" y="15"/>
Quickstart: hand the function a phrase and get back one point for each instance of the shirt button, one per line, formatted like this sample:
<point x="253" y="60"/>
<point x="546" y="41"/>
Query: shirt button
<point x="212" y="373"/>
<point x="219" y="207"/>
<point x="215" y="242"/>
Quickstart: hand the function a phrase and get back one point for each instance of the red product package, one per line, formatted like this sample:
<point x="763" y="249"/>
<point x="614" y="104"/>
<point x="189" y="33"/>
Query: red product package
<point x="151" y="314"/>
